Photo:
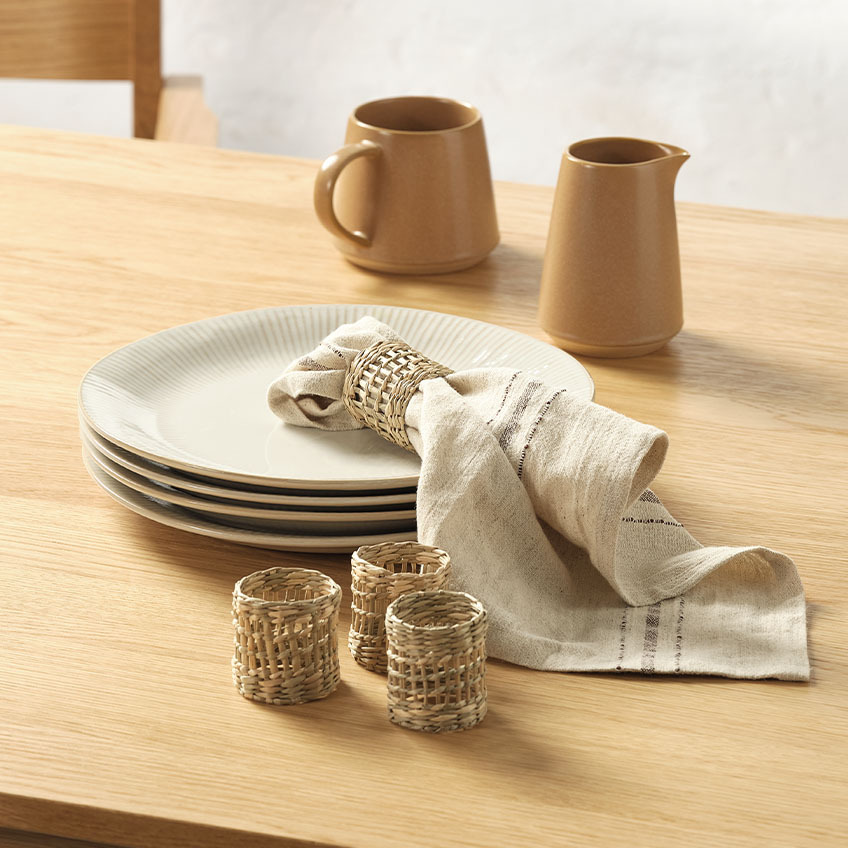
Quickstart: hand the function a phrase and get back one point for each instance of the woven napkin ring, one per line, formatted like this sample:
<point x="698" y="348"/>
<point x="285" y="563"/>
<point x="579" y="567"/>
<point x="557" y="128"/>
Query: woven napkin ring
<point x="286" y="639"/>
<point x="436" y="645"/>
<point x="380" y="383"/>
<point x="379" y="574"/>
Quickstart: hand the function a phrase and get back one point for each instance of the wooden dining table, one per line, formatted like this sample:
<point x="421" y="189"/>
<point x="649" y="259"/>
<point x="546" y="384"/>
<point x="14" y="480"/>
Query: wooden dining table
<point x="119" y="723"/>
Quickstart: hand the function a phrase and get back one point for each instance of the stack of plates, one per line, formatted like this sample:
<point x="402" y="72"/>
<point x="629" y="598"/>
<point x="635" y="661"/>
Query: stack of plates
<point x="176" y="427"/>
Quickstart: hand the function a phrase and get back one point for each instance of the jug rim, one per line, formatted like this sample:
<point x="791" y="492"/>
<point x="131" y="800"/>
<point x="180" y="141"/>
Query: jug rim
<point x="630" y="152"/>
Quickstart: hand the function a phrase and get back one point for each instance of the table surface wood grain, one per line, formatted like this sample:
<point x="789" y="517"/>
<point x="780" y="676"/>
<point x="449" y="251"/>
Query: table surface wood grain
<point x="119" y="723"/>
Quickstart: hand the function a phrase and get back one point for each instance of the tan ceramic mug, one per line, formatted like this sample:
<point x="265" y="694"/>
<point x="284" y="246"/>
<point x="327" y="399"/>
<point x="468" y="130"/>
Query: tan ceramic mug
<point x="411" y="190"/>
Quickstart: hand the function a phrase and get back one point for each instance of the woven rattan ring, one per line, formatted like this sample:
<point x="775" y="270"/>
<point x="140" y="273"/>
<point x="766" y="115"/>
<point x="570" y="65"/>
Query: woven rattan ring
<point x="437" y="661"/>
<point x="286" y="635"/>
<point x="379" y="574"/>
<point x="381" y="381"/>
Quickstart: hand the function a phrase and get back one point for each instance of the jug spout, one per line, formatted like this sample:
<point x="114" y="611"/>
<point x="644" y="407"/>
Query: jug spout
<point x="675" y="152"/>
<point x="675" y="157"/>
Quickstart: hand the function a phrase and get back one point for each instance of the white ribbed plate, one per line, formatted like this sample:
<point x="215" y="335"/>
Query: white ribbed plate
<point x="385" y="499"/>
<point x="194" y="397"/>
<point x="274" y="519"/>
<point x="174" y="516"/>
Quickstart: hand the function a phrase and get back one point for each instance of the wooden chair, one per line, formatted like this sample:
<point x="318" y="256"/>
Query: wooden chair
<point x="105" y="40"/>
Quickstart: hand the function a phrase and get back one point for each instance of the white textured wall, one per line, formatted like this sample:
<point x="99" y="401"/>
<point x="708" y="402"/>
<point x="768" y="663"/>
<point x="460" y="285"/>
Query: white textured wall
<point x="757" y="90"/>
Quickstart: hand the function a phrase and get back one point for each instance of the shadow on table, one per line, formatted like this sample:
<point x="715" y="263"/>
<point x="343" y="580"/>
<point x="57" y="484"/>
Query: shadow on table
<point x="500" y="747"/>
<point x="513" y="265"/>
<point x="218" y="563"/>
<point x="817" y="396"/>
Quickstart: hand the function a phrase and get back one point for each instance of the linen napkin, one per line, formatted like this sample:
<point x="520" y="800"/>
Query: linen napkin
<point x="542" y="501"/>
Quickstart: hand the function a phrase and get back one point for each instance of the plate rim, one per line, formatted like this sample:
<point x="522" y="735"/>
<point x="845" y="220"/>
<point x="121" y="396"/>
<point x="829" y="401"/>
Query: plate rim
<point x="387" y="497"/>
<point x="161" y="514"/>
<point x="198" y="504"/>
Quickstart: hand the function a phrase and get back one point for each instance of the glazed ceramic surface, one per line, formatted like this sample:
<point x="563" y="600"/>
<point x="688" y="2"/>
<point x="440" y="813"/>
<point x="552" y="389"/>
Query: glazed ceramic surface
<point x="221" y="493"/>
<point x="181" y="519"/>
<point x="411" y="191"/>
<point x="194" y="397"/>
<point x="272" y="518"/>
<point x="611" y="277"/>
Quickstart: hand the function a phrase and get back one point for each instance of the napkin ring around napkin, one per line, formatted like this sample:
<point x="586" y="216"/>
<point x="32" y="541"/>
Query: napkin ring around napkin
<point x="379" y="384"/>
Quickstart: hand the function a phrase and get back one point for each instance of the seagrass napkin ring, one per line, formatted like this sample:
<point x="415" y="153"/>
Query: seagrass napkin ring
<point x="436" y="646"/>
<point x="286" y="635"/>
<point x="380" y="574"/>
<point x="379" y="384"/>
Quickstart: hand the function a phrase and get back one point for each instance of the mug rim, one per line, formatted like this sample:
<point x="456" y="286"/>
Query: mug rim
<point x="475" y="112"/>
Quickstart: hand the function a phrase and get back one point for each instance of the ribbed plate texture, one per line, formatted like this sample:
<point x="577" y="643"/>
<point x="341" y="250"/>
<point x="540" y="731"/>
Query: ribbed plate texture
<point x="193" y="397"/>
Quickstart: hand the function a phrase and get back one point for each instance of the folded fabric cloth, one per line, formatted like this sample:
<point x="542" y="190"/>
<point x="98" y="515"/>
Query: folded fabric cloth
<point x="542" y="501"/>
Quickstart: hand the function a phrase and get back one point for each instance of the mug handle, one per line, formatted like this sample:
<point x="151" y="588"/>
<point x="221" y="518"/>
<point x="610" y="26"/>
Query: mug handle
<point x="325" y="182"/>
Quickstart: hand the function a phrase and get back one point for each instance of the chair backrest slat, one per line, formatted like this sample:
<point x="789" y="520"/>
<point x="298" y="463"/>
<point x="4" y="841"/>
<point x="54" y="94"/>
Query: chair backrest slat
<point x="66" y="39"/>
<point x="87" y="40"/>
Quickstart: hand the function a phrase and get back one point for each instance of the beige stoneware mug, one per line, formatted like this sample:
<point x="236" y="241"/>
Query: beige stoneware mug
<point x="411" y="190"/>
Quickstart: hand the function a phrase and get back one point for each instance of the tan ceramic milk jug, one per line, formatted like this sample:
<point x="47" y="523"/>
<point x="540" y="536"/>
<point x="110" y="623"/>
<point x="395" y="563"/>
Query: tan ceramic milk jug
<point x="611" y="278"/>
